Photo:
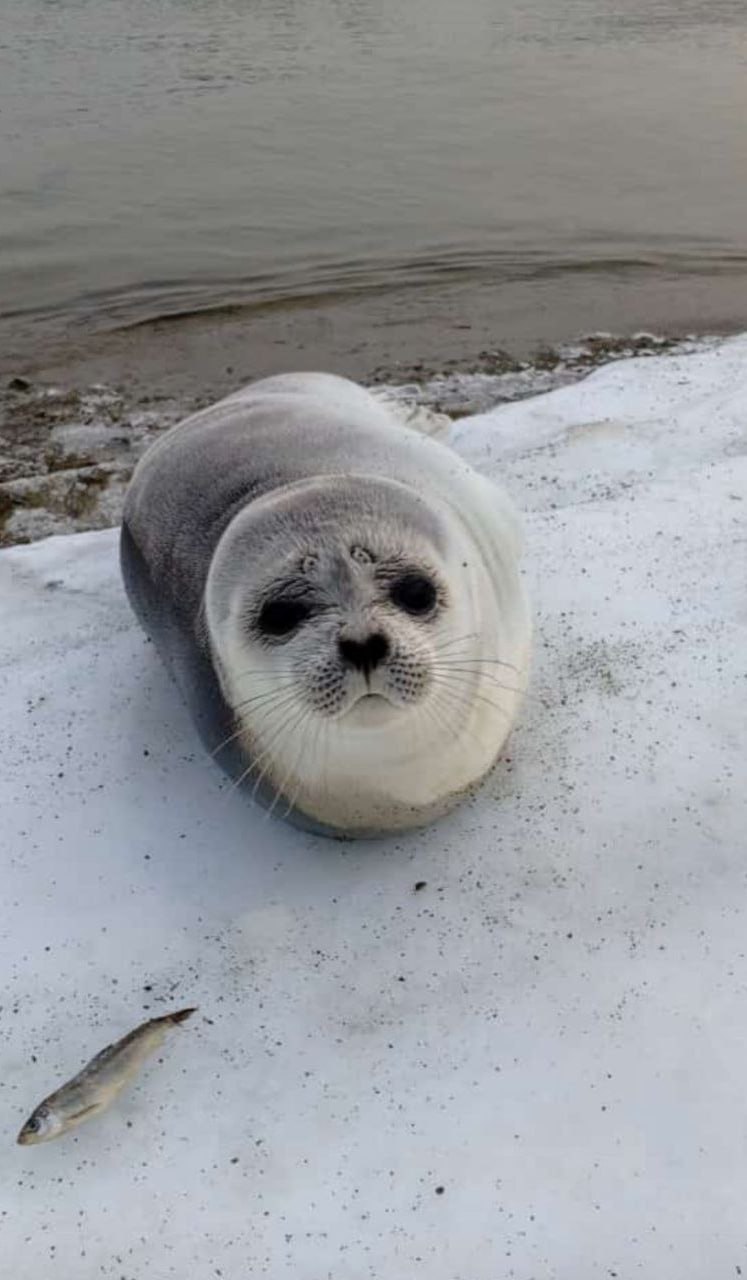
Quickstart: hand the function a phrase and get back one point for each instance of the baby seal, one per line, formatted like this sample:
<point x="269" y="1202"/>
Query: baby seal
<point x="338" y="599"/>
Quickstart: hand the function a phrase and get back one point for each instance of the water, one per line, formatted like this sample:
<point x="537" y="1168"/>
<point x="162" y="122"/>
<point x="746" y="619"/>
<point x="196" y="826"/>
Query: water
<point x="161" y="157"/>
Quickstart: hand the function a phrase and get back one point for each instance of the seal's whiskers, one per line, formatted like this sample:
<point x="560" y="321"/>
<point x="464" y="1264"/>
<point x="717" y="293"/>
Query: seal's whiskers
<point x="458" y="669"/>
<point x="299" y="729"/>
<point x="282" y="705"/>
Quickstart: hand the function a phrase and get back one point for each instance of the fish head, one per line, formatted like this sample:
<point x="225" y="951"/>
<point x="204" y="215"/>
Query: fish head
<point x="42" y="1125"/>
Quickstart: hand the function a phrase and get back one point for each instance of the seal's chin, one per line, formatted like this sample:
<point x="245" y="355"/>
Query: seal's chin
<point x="370" y="710"/>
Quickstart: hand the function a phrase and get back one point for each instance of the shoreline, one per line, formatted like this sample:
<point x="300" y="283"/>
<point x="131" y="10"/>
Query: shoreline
<point x="95" y="396"/>
<point x="67" y="451"/>
<point x="394" y="332"/>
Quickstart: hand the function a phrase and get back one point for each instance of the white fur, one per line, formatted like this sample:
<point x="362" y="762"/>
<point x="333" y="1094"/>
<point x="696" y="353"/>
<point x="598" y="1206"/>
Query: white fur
<point x="379" y="767"/>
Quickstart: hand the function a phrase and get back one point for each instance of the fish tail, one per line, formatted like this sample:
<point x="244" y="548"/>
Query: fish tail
<point x="181" y="1015"/>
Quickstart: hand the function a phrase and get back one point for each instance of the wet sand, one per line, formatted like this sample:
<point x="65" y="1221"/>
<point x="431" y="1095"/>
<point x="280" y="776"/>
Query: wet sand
<point x="391" y="335"/>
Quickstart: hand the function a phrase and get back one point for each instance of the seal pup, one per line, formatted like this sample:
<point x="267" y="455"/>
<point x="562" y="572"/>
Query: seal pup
<point x="338" y="598"/>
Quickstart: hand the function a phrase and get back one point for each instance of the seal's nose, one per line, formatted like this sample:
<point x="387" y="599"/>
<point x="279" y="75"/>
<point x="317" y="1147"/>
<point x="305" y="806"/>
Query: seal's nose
<point x="364" y="655"/>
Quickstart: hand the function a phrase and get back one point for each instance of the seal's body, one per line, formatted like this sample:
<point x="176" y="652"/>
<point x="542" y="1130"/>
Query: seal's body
<point x="337" y="597"/>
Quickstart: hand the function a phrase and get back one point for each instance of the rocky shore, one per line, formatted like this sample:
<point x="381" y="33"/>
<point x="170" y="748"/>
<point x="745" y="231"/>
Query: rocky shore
<point x="67" y="453"/>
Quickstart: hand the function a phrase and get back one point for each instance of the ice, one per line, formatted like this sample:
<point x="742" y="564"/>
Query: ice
<point x="553" y="1030"/>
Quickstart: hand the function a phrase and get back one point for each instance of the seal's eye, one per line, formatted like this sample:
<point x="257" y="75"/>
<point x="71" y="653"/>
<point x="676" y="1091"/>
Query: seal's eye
<point x="414" y="593"/>
<point x="281" y="617"/>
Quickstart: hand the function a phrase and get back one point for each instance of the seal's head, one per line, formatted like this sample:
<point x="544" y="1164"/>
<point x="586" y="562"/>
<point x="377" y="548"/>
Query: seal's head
<point x="335" y="613"/>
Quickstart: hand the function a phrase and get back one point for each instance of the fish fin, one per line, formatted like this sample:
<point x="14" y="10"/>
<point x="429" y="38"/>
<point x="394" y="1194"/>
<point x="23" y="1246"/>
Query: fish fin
<point x="180" y="1016"/>
<point x="99" y="1058"/>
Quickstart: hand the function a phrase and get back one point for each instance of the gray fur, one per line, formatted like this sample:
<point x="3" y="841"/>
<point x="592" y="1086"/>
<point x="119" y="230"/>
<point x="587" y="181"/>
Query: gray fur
<point x="279" y="489"/>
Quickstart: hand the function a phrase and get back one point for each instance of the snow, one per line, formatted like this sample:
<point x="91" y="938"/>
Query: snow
<point x="553" y="1030"/>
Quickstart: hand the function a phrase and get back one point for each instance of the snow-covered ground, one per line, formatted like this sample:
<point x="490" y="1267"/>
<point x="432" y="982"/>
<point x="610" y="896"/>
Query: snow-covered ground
<point x="534" y="1066"/>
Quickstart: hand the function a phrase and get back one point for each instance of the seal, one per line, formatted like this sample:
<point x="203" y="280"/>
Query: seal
<point x="338" y="598"/>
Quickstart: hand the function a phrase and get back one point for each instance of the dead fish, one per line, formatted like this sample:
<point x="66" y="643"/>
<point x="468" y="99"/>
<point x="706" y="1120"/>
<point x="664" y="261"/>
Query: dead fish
<point x="99" y="1082"/>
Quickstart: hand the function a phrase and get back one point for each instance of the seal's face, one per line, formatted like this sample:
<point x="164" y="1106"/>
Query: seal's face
<point x="353" y="630"/>
<point x="352" y="627"/>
